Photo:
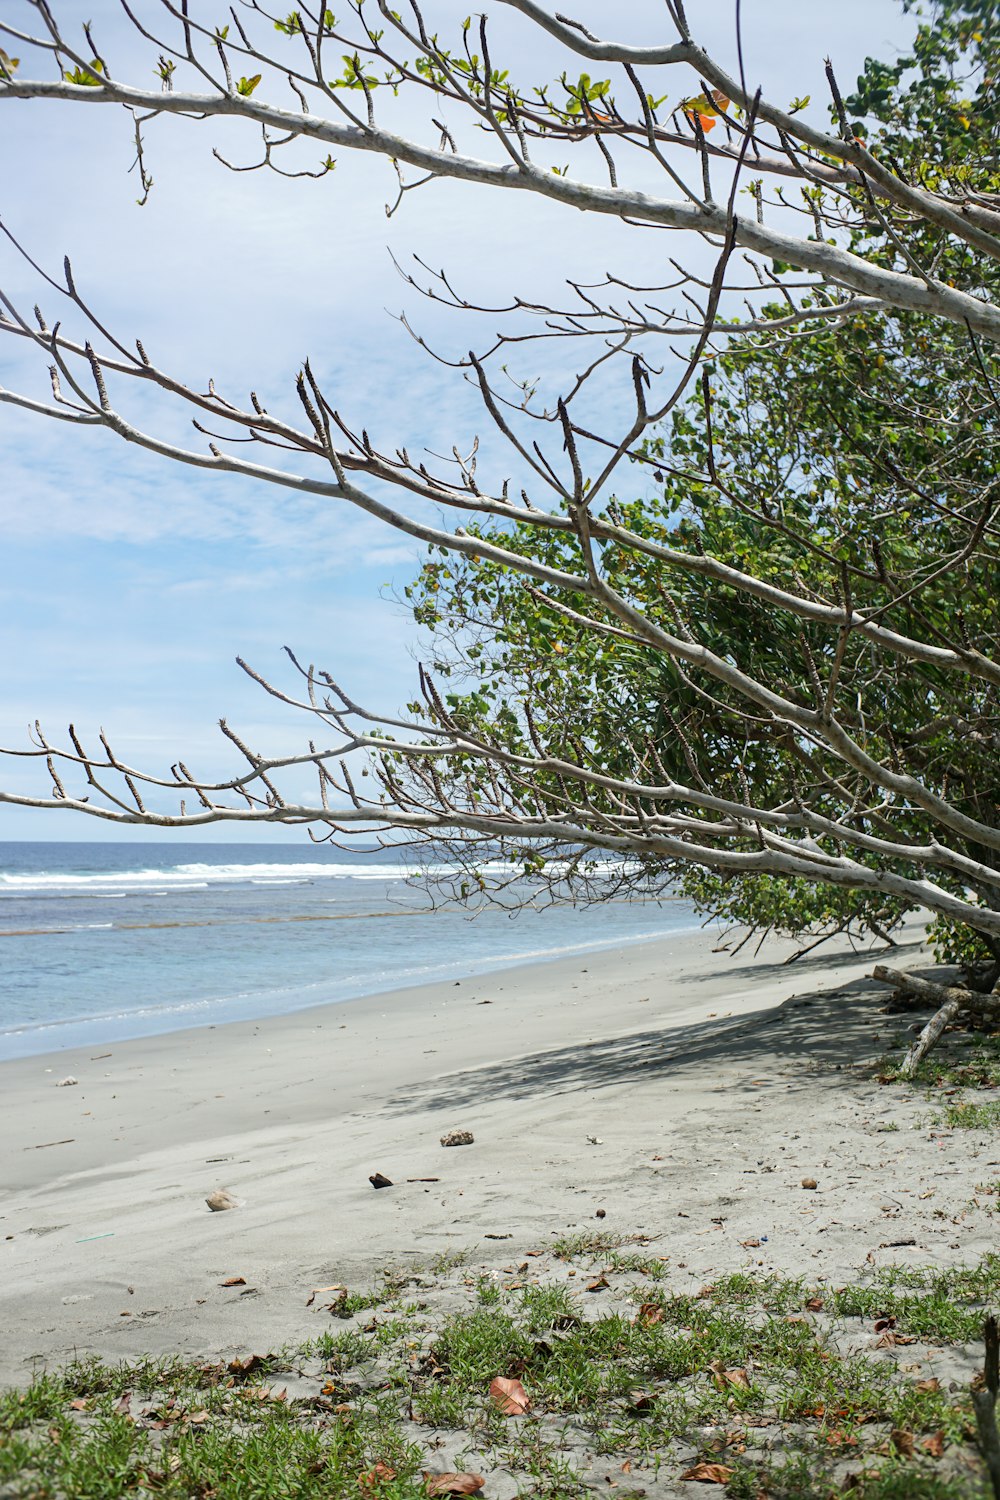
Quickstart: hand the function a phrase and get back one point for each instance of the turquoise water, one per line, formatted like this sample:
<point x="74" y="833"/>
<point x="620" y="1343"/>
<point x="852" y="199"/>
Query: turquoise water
<point x="100" y="942"/>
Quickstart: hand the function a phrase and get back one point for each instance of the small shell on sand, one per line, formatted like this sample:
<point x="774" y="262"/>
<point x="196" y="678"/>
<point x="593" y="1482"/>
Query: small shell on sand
<point x="67" y="1082"/>
<point x="457" y="1138"/>
<point x="221" y="1199"/>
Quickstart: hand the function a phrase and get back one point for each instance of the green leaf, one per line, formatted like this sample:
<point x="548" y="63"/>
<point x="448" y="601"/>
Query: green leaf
<point x="246" y="86"/>
<point x="87" y="77"/>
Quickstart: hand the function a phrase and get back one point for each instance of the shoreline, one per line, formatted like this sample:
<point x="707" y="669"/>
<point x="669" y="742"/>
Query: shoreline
<point x="682" y="1092"/>
<point x="104" y="1033"/>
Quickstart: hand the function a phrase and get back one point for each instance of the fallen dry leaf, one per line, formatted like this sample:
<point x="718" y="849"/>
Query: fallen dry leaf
<point x="598" y="1284"/>
<point x="882" y="1323"/>
<point x="814" y="1304"/>
<point x="649" y="1313"/>
<point x="750" y="1244"/>
<point x="709" y="1473"/>
<point x="934" y="1445"/>
<point x="510" y="1396"/>
<point x="80" y="1404"/>
<point x="933" y="1384"/>
<point x="726" y="1379"/>
<point x="245" y="1366"/>
<point x="889" y="1340"/>
<point x="370" y="1479"/>
<point x="453" y="1484"/>
<point x="196" y="1418"/>
<point x="902" y="1441"/>
<point x="234" y="1281"/>
<point x="641" y="1401"/>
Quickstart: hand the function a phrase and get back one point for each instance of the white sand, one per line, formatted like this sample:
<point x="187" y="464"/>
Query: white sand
<point x="710" y="1095"/>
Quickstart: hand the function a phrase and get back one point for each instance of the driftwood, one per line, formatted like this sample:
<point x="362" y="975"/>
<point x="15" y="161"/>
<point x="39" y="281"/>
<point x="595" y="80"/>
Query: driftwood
<point x="985" y="1405"/>
<point x="951" y="1000"/>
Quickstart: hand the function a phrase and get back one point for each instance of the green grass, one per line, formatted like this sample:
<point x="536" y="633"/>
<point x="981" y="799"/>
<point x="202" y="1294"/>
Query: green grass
<point x="959" y="1061"/>
<point x="644" y="1378"/>
<point x="966" y="1114"/>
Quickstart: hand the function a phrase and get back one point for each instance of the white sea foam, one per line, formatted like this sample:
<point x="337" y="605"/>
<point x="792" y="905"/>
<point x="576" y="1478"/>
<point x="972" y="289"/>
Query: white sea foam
<point x="193" y="876"/>
<point x="118" y="883"/>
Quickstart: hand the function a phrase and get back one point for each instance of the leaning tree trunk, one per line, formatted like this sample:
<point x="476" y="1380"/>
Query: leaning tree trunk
<point x="952" y="1001"/>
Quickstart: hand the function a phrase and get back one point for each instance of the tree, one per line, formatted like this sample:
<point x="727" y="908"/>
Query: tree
<point x="766" y="464"/>
<point x="765" y="672"/>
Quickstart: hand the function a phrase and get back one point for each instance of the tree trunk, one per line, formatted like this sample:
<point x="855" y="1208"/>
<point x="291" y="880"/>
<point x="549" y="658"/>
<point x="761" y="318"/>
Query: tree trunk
<point x="951" y="1000"/>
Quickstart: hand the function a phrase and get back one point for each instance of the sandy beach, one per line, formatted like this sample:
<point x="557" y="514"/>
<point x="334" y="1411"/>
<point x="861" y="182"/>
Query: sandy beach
<point x="683" y="1092"/>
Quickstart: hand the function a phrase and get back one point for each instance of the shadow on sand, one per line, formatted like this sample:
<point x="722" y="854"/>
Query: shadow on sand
<point x="827" y="1031"/>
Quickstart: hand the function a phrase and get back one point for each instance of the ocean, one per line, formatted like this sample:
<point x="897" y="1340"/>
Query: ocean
<point x="105" y="941"/>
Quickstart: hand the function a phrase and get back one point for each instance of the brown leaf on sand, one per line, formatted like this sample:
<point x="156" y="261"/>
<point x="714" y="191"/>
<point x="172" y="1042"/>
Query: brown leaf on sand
<point x="889" y="1339"/>
<point x="598" y="1284"/>
<point x="80" y="1404"/>
<point x="902" y="1441"/>
<point x="453" y="1484"/>
<point x="220" y="1200"/>
<point x="927" y="1386"/>
<point x="648" y="1314"/>
<point x="370" y="1479"/>
<point x="814" y="1304"/>
<point x="710" y="1473"/>
<point x="727" y="1379"/>
<point x="882" y="1323"/>
<point x="750" y="1244"/>
<point x="234" y="1281"/>
<point x="641" y="1401"/>
<point x="240" y="1367"/>
<point x="934" y="1445"/>
<point x="510" y="1396"/>
<point x="380" y="1180"/>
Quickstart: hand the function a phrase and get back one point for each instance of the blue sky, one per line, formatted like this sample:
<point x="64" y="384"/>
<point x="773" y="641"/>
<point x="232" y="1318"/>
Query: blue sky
<point x="127" y="585"/>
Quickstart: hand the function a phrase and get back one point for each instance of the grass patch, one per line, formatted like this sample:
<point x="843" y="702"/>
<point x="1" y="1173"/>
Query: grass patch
<point x="966" y="1114"/>
<point x="749" y="1374"/>
<point x="959" y="1061"/>
<point x="589" y="1244"/>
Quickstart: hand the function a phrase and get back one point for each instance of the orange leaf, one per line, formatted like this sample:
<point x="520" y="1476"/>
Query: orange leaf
<point x="454" y="1484"/>
<point x="234" y="1281"/>
<point x="814" y="1304"/>
<point x="710" y="1473"/>
<point x="510" y="1396"/>
<point x="934" y="1445"/>
<point x="380" y="1474"/>
<point x="705" y="108"/>
<point x="598" y="1284"/>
